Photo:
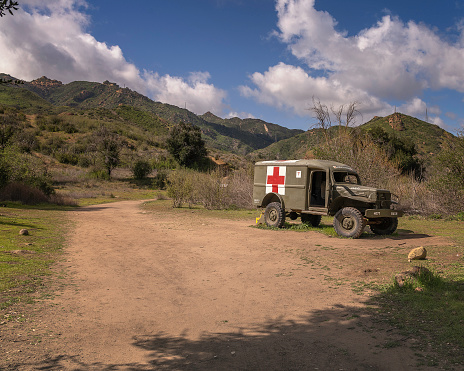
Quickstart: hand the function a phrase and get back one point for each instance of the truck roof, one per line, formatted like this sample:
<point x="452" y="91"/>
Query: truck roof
<point x="318" y="164"/>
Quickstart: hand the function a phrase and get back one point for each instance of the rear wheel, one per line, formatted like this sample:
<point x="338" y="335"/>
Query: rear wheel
<point x="274" y="215"/>
<point x="314" y="220"/>
<point x="349" y="222"/>
<point x="386" y="226"/>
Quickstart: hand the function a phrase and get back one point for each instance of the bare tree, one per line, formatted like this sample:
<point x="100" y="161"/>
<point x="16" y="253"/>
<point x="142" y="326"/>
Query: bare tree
<point x="343" y="115"/>
<point x="321" y="111"/>
<point x="351" y="113"/>
<point x="9" y="6"/>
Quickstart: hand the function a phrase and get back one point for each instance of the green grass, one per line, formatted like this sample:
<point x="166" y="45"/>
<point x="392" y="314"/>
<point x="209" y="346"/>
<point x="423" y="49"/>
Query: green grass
<point x="26" y="260"/>
<point x="165" y="205"/>
<point x="430" y="310"/>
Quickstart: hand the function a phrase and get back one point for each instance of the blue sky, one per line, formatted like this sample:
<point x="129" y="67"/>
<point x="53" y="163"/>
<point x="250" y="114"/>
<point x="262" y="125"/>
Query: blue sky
<point x="252" y="58"/>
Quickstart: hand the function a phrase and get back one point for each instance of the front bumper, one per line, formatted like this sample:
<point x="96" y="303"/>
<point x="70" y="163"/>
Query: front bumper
<point x="383" y="213"/>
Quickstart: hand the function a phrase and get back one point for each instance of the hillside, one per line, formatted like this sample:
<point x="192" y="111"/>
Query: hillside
<point x="427" y="138"/>
<point x="82" y="95"/>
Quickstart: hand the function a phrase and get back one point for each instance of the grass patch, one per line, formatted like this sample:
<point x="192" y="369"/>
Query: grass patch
<point x="453" y="229"/>
<point x="429" y="309"/>
<point x="26" y="260"/>
<point x="325" y="227"/>
<point x="164" y="205"/>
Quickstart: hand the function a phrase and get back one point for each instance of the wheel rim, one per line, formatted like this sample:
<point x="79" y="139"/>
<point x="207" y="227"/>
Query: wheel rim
<point x="348" y="223"/>
<point x="273" y="215"/>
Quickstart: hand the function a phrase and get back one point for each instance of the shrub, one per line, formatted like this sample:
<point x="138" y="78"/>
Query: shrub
<point x="360" y="152"/>
<point x="24" y="168"/>
<point x="141" y="169"/>
<point x="180" y="187"/>
<point x="446" y="180"/>
<point x="100" y="174"/>
<point x="67" y="157"/>
<point x="213" y="190"/>
<point x="84" y="161"/>
<point x="240" y="189"/>
<point x="23" y="193"/>
<point x="160" y="179"/>
<point x="26" y="140"/>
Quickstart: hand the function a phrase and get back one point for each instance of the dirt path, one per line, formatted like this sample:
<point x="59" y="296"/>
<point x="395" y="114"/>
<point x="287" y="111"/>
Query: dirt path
<point x="187" y="292"/>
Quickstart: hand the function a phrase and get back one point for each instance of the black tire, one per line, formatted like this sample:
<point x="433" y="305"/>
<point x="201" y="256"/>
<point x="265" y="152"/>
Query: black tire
<point x="274" y="215"/>
<point x="314" y="220"/>
<point x="349" y="222"/>
<point x="386" y="226"/>
<point x="293" y="215"/>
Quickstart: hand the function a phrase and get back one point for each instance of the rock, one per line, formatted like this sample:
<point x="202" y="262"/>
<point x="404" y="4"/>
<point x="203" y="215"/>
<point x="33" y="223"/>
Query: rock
<point x="419" y="253"/>
<point x="396" y="122"/>
<point x="24" y="232"/>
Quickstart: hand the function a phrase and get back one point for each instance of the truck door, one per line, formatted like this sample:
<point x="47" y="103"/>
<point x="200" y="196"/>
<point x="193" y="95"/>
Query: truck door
<point x="318" y="188"/>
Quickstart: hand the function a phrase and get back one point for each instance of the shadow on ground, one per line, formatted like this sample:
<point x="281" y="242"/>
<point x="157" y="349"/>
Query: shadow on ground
<point x="339" y="338"/>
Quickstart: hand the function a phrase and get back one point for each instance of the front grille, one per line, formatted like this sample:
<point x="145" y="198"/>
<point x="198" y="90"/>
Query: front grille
<point x="383" y="200"/>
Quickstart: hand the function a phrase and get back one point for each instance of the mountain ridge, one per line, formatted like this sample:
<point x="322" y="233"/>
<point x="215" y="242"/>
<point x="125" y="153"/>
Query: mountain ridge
<point x="250" y="136"/>
<point x="240" y="138"/>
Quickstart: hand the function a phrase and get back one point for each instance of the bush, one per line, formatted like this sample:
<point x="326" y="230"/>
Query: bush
<point x="446" y="179"/>
<point x="26" y="140"/>
<point x="160" y="179"/>
<point x="100" y="174"/>
<point x="23" y="193"/>
<point x="67" y="157"/>
<point x="24" y="168"/>
<point x="213" y="190"/>
<point x="141" y="169"/>
<point x="359" y="151"/>
<point x="180" y="187"/>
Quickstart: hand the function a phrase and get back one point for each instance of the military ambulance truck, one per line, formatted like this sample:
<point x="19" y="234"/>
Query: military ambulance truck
<point x="311" y="188"/>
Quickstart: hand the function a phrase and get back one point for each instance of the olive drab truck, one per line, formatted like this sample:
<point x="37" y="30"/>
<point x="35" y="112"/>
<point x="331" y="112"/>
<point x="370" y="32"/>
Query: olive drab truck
<point x="309" y="189"/>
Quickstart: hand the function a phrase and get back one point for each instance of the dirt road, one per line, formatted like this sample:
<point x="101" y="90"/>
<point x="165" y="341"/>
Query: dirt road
<point x="150" y="291"/>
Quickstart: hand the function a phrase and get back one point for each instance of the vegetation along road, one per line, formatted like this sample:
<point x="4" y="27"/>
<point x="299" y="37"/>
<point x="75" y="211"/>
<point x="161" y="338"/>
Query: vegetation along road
<point x="147" y="286"/>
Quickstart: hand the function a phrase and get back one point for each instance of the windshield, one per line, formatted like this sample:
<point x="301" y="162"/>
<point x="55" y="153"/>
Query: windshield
<point x="346" y="177"/>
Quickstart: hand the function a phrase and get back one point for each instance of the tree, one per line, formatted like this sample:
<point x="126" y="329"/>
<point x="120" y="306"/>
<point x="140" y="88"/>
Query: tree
<point x="9" y="6"/>
<point x="345" y="116"/>
<point x="447" y="175"/>
<point x="184" y="143"/>
<point x="108" y="146"/>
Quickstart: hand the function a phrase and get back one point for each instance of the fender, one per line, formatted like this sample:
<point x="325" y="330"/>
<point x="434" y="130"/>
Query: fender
<point x="273" y="197"/>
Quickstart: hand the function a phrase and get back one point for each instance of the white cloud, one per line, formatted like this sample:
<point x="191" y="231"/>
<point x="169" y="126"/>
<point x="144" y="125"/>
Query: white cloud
<point x="289" y="87"/>
<point x="389" y="61"/>
<point x="195" y="94"/>
<point x="49" y="38"/>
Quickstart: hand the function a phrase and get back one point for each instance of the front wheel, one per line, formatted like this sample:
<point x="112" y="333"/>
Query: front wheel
<point x="349" y="222"/>
<point x="274" y="215"/>
<point x="386" y="226"/>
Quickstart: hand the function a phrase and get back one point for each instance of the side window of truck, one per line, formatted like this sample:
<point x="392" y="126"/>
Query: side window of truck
<point x="318" y="186"/>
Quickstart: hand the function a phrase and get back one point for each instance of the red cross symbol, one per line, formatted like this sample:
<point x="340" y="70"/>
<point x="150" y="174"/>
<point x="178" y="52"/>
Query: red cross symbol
<point x="275" y="180"/>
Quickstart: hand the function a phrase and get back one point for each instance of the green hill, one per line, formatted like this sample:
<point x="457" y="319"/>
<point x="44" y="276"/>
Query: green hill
<point x="240" y="137"/>
<point x="427" y="138"/>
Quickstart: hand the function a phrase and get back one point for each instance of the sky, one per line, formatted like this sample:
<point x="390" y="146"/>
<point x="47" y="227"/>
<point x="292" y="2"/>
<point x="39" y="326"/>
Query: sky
<point x="266" y="59"/>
